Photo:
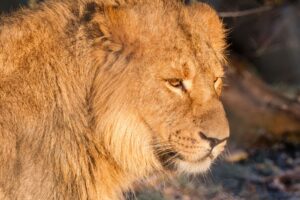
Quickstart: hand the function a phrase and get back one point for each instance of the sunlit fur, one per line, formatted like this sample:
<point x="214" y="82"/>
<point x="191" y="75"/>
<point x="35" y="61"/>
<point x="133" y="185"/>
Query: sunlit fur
<point x="86" y="105"/>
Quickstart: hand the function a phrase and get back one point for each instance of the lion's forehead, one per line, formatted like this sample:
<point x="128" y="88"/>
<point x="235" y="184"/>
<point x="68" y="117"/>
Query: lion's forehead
<point x="172" y="39"/>
<point x="184" y="63"/>
<point x="167" y="29"/>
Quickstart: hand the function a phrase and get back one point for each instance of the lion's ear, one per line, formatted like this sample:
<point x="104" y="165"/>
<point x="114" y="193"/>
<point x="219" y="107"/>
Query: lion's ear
<point x="135" y="22"/>
<point x="122" y="26"/>
<point x="203" y="21"/>
<point x="99" y="21"/>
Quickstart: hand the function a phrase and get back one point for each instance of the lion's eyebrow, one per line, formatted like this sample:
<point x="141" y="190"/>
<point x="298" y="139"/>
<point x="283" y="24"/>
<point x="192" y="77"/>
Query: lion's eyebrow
<point x="220" y="60"/>
<point x="218" y="68"/>
<point x="219" y="71"/>
<point x="188" y="70"/>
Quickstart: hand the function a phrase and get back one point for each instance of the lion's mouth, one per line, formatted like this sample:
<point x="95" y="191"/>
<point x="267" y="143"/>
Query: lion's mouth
<point x="174" y="161"/>
<point x="168" y="159"/>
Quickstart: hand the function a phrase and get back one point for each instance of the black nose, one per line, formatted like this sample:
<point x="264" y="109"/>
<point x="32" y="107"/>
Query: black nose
<point x="212" y="141"/>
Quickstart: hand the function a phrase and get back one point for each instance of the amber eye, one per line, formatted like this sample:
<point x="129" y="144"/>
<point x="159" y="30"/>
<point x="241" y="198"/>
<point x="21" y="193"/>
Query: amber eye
<point x="218" y="83"/>
<point x="176" y="83"/>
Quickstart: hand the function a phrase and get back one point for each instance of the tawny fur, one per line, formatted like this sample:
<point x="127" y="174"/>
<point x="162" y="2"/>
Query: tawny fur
<point x="83" y="95"/>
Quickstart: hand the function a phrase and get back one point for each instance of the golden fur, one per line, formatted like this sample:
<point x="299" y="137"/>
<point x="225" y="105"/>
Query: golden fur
<point x="95" y="95"/>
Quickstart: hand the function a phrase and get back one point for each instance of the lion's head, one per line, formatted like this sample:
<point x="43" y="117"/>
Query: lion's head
<point x="158" y="85"/>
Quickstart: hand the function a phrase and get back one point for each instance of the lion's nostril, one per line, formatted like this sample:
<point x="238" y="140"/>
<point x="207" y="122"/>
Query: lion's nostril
<point x="202" y="135"/>
<point x="212" y="141"/>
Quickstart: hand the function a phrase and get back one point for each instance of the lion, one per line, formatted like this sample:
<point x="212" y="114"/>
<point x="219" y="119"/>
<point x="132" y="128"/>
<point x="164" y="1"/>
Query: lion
<point x="96" y="95"/>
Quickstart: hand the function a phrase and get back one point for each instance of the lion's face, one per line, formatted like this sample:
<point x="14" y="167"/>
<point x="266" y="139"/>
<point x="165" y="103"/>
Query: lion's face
<point x="180" y="89"/>
<point x="172" y="78"/>
<point x="179" y="103"/>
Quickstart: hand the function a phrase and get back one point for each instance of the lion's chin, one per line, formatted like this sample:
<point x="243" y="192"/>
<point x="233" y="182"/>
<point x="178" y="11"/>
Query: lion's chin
<point x="187" y="167"/>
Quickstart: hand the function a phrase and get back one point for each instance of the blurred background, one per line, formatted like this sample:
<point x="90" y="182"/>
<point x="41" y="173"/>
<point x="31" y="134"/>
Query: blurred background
<point x="262" y="101"/>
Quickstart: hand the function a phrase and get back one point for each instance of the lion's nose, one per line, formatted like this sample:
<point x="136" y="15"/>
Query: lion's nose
<point x="212" y="141"/>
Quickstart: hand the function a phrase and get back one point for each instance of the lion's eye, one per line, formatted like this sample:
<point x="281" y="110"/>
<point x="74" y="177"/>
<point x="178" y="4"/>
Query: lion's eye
<point x="176" y="83"/>
<point x="218" y="85"/>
